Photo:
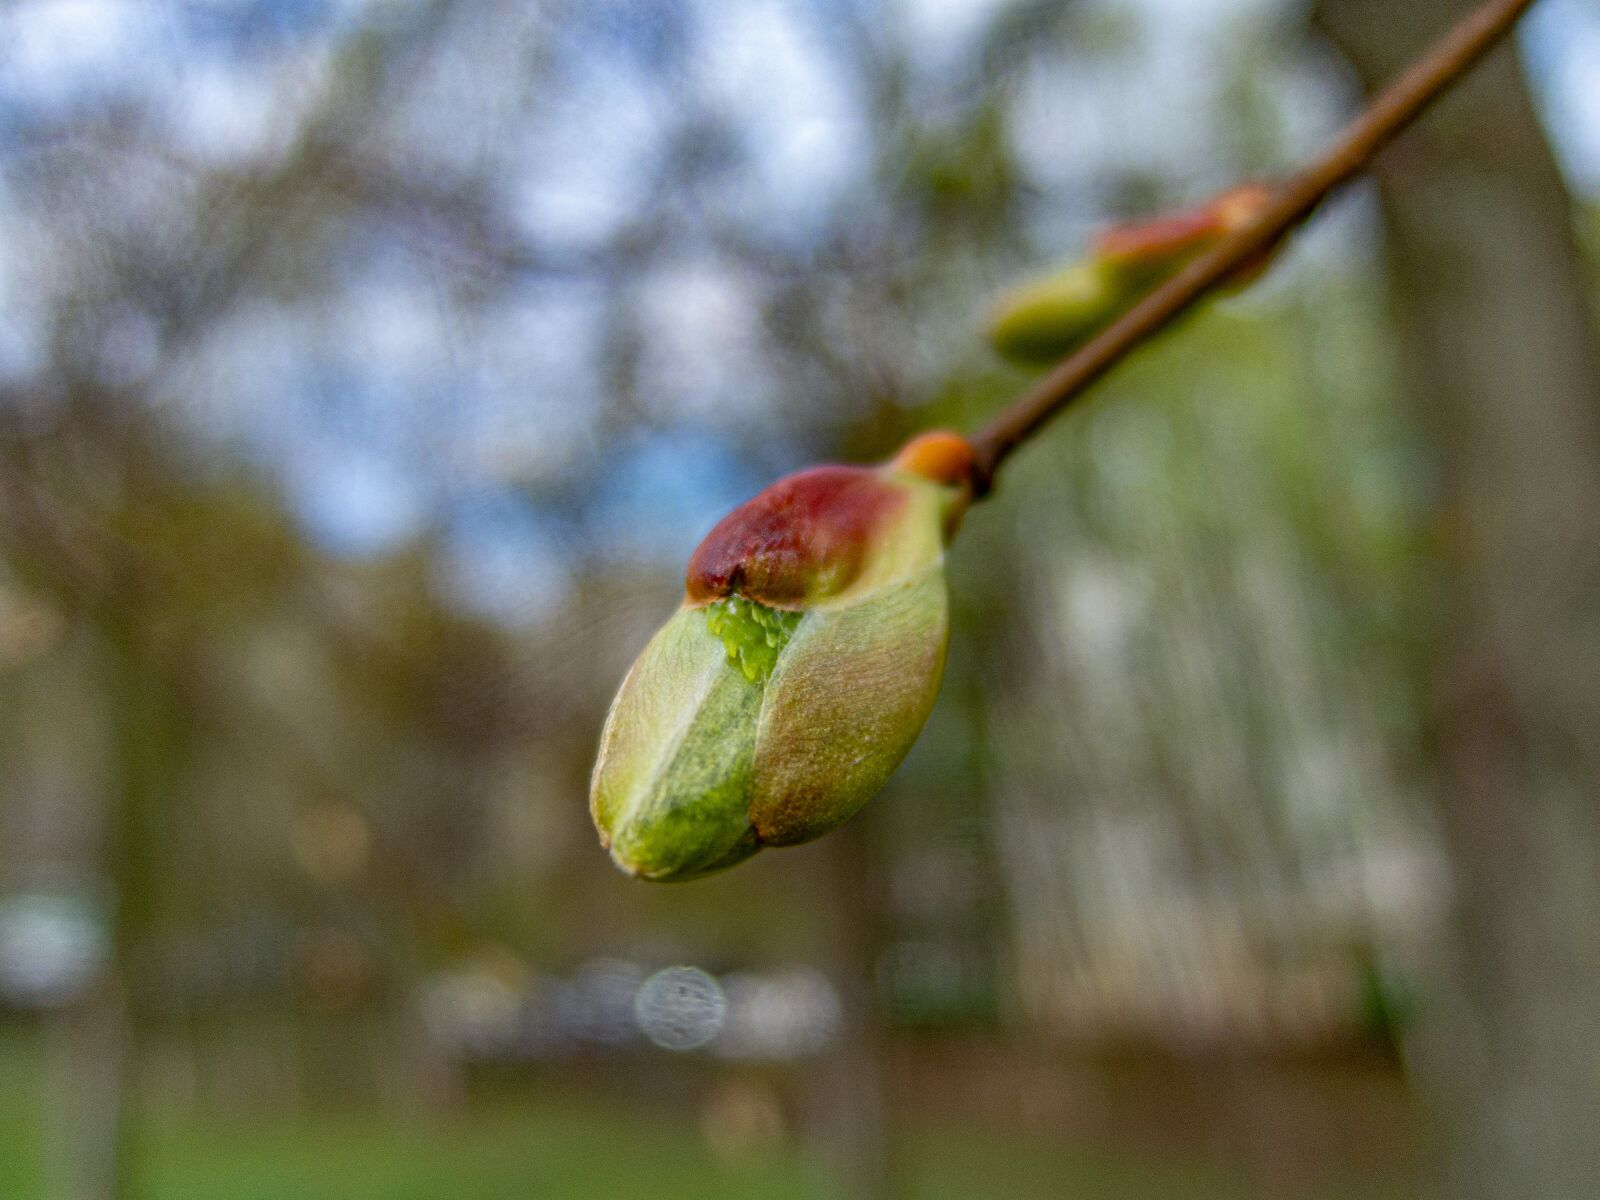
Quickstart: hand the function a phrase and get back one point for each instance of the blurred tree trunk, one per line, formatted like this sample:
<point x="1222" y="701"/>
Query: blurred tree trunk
<point x="1498" y="358"/>
<point x="147" y="749"/>
<point x="83" y="1097"/>
<point x="853" y="1085"/>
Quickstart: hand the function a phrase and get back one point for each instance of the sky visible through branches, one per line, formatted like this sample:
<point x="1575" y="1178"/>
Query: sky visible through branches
<point x="442" y="376"/>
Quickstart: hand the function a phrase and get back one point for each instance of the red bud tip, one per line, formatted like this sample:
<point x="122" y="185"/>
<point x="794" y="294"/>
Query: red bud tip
<point x="1156" y="240"/>
<point x="801" y="539"/>
<point x="1174" y="237"/>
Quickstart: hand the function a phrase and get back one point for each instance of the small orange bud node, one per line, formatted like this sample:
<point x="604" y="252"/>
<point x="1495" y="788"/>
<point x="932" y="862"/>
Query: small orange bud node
<point x="1238" y="206"/>
<point x="938" y="456"/>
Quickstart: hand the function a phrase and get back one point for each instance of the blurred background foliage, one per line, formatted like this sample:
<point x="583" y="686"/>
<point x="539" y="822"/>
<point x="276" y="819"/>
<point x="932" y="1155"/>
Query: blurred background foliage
<point x="368" y="369"/>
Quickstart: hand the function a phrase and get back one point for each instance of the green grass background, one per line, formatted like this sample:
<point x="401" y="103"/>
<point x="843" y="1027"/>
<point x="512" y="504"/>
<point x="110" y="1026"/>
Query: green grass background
<point x="527" y="1147"/>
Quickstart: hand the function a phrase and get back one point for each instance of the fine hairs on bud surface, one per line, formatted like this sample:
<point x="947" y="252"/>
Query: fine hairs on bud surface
<point x="809" y="646"/>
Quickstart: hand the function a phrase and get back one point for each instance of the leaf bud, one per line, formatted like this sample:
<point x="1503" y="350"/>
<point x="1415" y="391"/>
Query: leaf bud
<point x="797" y="672"/>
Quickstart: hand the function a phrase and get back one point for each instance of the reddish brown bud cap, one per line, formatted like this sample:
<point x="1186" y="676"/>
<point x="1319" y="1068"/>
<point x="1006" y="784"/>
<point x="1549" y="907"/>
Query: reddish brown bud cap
<point x="801" y="539"/>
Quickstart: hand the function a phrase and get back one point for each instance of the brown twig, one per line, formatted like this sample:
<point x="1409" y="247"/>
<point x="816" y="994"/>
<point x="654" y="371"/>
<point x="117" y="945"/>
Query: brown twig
<point x="1449" y="59"/>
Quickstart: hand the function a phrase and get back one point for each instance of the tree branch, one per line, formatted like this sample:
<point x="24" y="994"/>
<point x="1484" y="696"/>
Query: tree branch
<point x="1294" y="200"/>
